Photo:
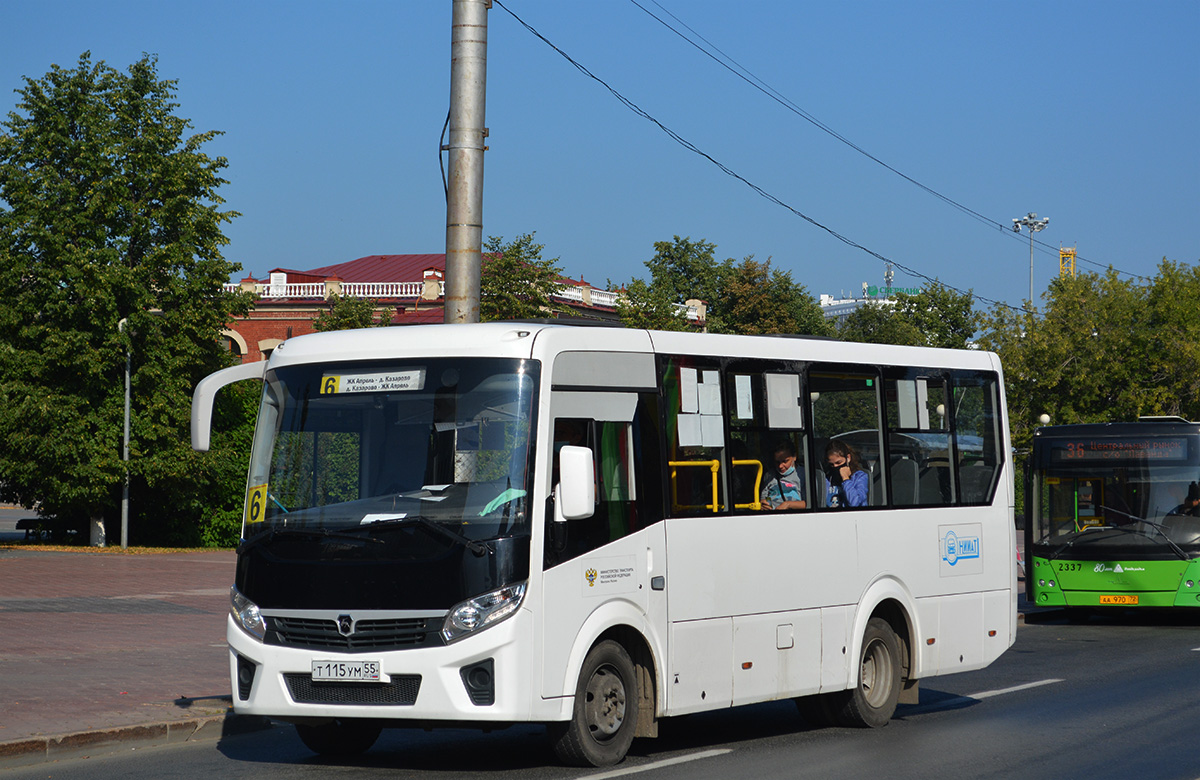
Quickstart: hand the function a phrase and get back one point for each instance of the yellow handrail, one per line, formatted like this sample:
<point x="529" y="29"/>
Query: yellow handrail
<point x="756" y="504"/>
<point x="714" y="465"/>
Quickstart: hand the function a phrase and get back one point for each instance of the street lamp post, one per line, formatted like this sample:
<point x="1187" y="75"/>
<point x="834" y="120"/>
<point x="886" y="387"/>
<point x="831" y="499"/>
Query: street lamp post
<point x="125" y="449"/>
<point x="1031" y="222"/>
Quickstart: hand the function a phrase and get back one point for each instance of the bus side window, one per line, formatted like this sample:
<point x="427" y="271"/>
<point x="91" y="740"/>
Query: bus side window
<point x="977" y="436"/>
<point x="918" y="438"/>
<point x="619" y="476"/>
<point x="766" y="431"/>
<point x="845" y="414"/>
<point x="695" y="436"/>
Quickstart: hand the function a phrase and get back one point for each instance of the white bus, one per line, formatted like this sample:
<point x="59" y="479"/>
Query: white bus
<point x="528" y="522"/>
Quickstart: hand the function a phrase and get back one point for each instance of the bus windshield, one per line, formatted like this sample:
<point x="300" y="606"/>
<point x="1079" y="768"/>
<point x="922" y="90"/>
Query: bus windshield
<point x="369" y="449"/>
<point x="1117" y="497"/>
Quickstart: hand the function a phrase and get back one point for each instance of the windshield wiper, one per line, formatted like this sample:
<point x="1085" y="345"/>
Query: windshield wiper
<point x="1156" y="526"/>
<point x="314" y="533"/>
<point x="1121" y="529"/>
<point x="478" y="548"/>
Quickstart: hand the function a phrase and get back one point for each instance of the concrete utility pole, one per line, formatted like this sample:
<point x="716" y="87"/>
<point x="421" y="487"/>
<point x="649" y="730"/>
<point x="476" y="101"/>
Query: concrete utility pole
<point x="464" y="202"/>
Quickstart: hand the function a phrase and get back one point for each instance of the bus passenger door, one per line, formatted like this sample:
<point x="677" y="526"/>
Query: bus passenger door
<point x="607" y="569"/>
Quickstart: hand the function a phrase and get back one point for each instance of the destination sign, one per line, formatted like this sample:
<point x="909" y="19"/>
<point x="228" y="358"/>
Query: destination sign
<point x="374" y="382"/>
<point x="1098" y="450"/>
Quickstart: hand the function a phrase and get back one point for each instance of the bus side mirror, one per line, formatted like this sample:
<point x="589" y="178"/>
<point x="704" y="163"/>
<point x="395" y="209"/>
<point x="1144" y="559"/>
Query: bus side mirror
<point x="576" y="485"/>
<point x="206" y="392"/>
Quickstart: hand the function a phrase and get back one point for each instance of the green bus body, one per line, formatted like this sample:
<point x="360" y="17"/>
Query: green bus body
<point x="1108" y="516"/>
<point x="1112" y="583"/>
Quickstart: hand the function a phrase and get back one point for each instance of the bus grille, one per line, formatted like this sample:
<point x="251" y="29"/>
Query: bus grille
<point x="388" y="634"/>
<point x="402" y="690"/>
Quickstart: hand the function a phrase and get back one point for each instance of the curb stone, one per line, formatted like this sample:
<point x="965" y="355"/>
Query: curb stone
<point x="84" y="744"/>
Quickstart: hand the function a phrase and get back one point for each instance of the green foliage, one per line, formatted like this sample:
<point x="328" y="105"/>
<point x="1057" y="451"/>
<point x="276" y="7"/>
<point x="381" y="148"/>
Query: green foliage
<point x="645" y="306"/>
<point x="345" y="313"/>
<point x="515" y="282"/>
<point x="747" y="297"/>
<point x="935" y="317"/>
<point x="683" y="270"/>
<point x="1106" y="349"/>
<point x="110" y="237"/>
<point x="756" y="299"/>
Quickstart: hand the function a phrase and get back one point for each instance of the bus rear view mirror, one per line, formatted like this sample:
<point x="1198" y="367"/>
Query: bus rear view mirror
<point x="577" y="484"/>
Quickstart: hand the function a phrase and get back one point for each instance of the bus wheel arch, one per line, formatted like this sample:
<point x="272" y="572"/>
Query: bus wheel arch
<point x="605" y="708"/>
<point x="900" y="620"/>
<point x="881" y="676"/>
<point x="872" y="700"/>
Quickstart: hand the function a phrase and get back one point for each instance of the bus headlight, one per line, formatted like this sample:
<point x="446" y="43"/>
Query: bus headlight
<point x="482" y="611"/>
<point x="245" y="614"/>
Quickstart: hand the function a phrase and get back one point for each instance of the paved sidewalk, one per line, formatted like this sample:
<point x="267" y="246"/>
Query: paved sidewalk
<point x="98" y="649"/>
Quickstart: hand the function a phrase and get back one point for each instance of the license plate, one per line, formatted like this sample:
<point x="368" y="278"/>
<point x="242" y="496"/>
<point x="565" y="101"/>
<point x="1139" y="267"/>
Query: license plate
<point x="345" y="671"/>
<point x="1129" y="598"/>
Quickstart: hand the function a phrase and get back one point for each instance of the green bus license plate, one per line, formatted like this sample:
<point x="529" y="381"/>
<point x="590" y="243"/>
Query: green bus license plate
<point x="1128" y="598"/>
<point x="345" y="671"/>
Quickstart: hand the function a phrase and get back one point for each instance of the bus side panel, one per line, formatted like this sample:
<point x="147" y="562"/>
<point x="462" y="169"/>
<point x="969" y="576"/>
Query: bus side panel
<point x="575" y="593"/>
<point x="961" y="632"/>
<point x="776" y="656"/>
<point x="765" y="571"/>
<point x="728" y="565"/>
<point x="835" y="647"/>
<point x="701" y="673"/>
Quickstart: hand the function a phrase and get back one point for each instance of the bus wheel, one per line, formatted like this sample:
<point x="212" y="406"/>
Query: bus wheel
<point x="339" y="737"/>
<point x="872" y="702"/>
<point x="605" y="712"/>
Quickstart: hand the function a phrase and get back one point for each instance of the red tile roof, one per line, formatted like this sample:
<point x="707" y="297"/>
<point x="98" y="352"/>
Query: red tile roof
<point x="375" y="268"/>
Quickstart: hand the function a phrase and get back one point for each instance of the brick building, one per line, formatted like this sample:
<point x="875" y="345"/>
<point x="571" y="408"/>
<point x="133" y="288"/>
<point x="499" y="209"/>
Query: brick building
<point x="408" y="288"/>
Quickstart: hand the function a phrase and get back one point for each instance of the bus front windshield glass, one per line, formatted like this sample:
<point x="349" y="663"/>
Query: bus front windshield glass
<point x="369" y="449"/>
<point x="1121" y="503"/>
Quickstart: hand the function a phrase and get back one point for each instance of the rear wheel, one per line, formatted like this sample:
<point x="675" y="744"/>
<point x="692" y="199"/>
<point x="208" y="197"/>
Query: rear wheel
<point x="339" y="737"/>
<point x="872" y="702"/>
<point x="605" y="713"/>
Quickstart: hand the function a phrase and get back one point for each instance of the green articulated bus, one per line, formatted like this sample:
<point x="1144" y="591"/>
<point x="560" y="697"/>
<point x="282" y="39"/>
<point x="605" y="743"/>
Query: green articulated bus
<point x="1113" y="515"/>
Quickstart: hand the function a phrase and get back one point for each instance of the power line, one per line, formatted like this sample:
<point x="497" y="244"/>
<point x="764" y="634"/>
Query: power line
<point x="743" y="73"/>
<point x="734" y="174"/>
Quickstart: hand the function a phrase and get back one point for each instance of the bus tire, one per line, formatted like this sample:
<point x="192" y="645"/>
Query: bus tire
<point x="339" y="737"/>
<point x="605" y="713"/>
<point x="872" y="701"/>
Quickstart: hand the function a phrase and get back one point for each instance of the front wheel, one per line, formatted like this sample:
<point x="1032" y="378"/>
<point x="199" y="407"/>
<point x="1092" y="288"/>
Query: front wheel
<point x="872" y="702"/>
<point x="339" y="737"/>
<point x="604" y="716"/>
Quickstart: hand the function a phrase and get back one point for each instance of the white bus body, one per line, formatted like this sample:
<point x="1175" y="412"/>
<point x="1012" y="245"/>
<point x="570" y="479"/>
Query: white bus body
<point x="675" y="589"/>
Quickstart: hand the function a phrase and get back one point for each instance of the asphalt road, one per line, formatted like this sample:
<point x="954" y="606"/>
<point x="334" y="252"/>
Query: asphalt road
<point x="1110" y="698"/>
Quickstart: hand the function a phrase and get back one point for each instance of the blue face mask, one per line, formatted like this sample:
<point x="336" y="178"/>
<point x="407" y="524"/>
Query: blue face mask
<point x="791" y="471"/>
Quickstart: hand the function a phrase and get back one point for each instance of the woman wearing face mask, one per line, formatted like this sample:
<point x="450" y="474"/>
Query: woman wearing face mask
<point x="783" y="489"/>
<point x="847" y="481"/>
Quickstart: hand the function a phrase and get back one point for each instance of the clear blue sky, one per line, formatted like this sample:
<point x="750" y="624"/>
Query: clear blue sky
<point x="1083" y="111"/>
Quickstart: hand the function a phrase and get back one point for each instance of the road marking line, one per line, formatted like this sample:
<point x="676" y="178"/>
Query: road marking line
<point x="658" y="764"/>
<point x="1014" y="689"/>
<point x="959" y="701"/>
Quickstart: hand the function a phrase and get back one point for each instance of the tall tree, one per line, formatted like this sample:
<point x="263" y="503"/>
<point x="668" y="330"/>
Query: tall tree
<point x="747" y="297"/>
<point x="643" y="305"/>
<point x="1106" y="349"/>
<point x="683" y="269"/>
<point x="516" y="282"/>
<point x="758" y="299"/>
<point x="935" y="317"/>
<point x="110" y="238"/>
